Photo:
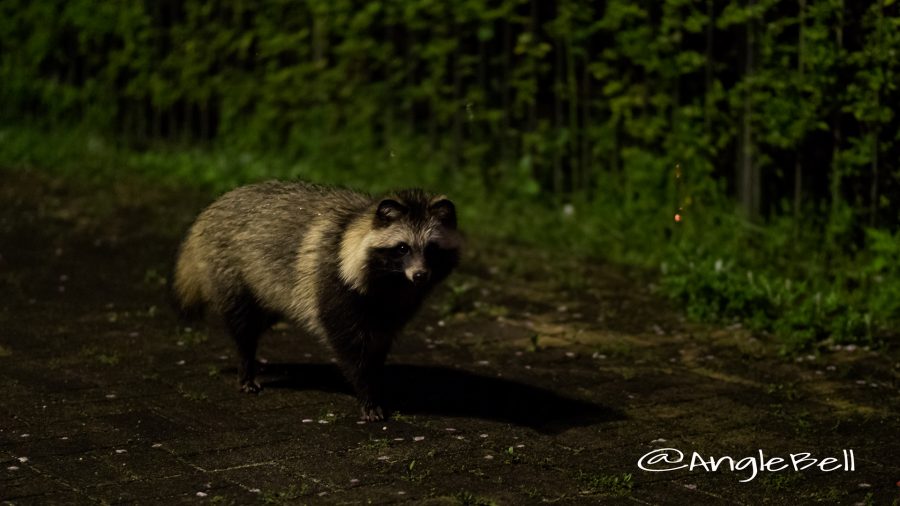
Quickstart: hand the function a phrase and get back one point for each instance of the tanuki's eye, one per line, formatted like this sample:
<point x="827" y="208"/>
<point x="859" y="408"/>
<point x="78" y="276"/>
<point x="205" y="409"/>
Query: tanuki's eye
<point x="402" y="249"/>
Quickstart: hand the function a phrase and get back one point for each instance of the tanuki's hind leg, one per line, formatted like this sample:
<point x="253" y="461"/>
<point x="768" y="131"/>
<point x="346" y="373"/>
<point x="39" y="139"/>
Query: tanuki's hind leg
<point x="246" y="322"/>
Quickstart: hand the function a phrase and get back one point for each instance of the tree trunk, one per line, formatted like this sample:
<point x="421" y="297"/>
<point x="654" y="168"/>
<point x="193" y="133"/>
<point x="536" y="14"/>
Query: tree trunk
<point x="411" y="75"/>
<point x="798" y="162"/>
<point x="557" y="119"/>
<point x="586" y="152"/>
<point x="457" y="110"/>
<point x="388" y="130"/>
<point x="205" y="130"/>
<point x="505" y="151"/>
<point x="837" y="139"/>
<point x="873" y="191"/>
<point x="532" y="106"/>
<point x="319" y="38"/>
<point x="575" y="133"/>
<point x="749" y="177"/>
<point x="708" y="71"/>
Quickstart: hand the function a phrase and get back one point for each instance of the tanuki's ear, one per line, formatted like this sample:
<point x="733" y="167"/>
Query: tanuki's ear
<point x="389" y="210"/>
<point x="444" y="210"/>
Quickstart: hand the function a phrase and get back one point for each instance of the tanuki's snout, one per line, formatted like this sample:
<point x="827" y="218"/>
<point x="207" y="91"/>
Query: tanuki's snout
<point x="420" y="277"/>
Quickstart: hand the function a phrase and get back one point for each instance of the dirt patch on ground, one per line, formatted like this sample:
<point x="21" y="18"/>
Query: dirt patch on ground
<point x="515" y="385"/>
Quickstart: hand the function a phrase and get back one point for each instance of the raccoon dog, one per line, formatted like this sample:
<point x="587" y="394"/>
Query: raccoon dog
<point x="348" y="268"/>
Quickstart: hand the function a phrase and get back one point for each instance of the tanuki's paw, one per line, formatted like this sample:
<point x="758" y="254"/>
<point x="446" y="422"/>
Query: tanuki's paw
<point x="372" y="413"/>
<point x="250" y="387"/>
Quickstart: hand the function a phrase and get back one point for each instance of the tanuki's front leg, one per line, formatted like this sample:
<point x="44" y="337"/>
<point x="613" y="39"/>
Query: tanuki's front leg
<point x="362" y="361"/>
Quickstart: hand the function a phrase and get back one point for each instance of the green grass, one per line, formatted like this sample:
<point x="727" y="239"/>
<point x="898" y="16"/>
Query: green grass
<point x="109" y="359"/>
<point x="801" y="284"/>
<point x="465" y="498"/>
<point x="616" y="485"/>
<point x="288" y="496"/>
<point x="781" y="482"/>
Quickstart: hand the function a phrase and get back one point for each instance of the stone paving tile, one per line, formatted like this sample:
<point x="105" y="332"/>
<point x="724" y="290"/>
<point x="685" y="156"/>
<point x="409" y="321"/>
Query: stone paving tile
<point x="63" y="498"/>
<point x="28" y="484"/>
<point x="184" y="486"/>
<point x="121" y="404"/>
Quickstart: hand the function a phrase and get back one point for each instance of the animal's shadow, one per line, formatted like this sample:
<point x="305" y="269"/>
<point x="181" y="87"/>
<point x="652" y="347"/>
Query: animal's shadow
<point x="414" y="389"/>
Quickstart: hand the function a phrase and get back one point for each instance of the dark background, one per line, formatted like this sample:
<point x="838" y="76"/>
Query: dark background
<point x="769" y="127"/>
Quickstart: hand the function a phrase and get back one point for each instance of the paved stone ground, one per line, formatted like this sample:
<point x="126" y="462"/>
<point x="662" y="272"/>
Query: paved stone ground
<point x="517" y="385"/>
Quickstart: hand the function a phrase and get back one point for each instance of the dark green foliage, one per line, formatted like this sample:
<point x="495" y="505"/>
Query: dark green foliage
<point x="524" y="106"/>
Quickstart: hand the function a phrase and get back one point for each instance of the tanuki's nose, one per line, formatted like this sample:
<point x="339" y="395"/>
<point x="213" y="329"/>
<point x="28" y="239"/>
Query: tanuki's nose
<point x="420" y="277"/>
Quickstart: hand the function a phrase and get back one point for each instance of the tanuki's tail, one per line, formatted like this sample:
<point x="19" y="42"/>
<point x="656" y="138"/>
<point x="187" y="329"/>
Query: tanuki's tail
<point x="188" y="280"/>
